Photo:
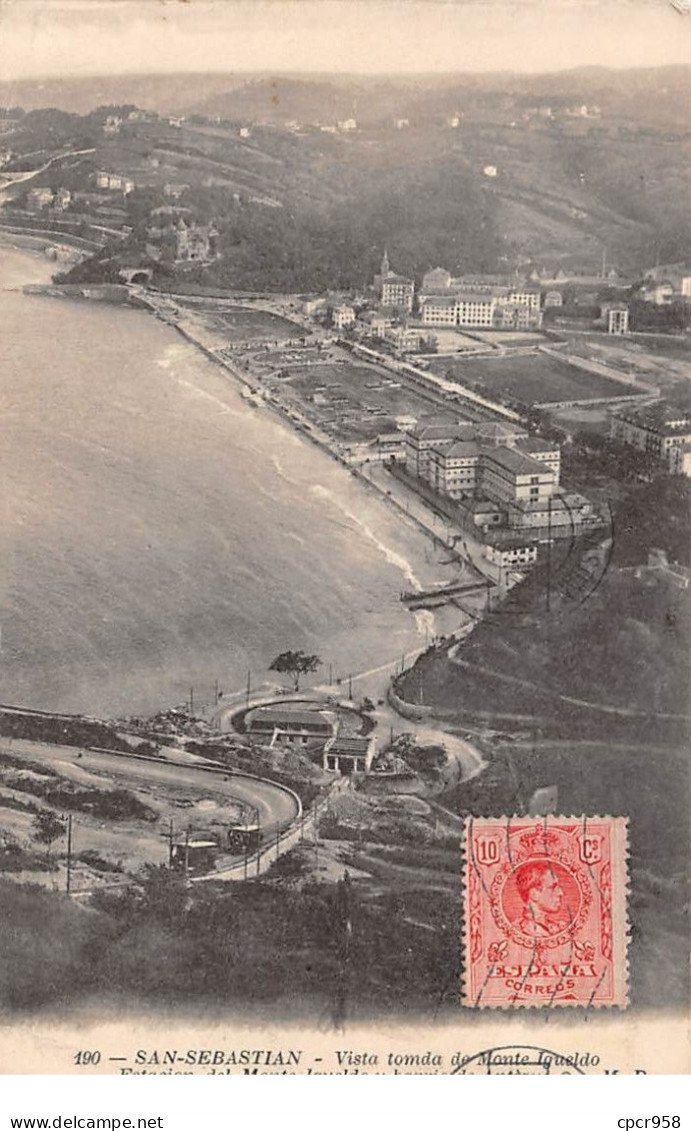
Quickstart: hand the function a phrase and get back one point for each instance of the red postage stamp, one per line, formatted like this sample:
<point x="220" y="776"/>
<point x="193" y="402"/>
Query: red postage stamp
<point x="545" y="920"/>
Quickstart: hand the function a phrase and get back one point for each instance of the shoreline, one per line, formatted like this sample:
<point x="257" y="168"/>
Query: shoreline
<point x="403" y="547"/>
<point x="305" y="429"/>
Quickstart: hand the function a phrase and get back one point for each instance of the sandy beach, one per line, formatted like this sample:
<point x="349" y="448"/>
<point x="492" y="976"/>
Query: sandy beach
<point x="160" y="533"/>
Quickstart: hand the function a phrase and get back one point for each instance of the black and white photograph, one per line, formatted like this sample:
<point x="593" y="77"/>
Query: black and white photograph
<point x="345" y="452"/>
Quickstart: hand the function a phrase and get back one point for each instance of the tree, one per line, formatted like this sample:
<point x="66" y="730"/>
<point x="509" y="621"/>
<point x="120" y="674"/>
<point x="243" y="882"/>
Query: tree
<point x="47" y="828"/>
<point x="295" y="664"/>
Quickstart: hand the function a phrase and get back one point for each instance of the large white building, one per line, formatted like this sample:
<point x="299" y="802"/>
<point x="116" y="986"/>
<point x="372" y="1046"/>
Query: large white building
<point x="483" y="301"/>
<point x="660" y="430"/>
<point x="397" y="291"/>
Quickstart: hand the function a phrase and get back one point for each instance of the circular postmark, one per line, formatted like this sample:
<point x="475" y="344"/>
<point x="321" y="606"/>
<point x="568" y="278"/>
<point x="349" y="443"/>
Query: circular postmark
<point x="572" y="561"/>
<point x="522" y="1060"/>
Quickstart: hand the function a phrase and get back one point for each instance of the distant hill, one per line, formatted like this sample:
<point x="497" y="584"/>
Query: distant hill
<point x="652" y="95"/>
<point x="583" y="162"/>
<point x="165" y="94"/>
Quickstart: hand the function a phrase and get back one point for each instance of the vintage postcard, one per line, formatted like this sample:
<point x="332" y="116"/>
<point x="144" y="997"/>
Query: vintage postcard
<point x="345" y="556"/>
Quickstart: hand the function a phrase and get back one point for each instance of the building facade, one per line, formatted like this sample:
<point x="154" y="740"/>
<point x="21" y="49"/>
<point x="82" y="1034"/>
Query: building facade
<point x="617" y="319"/>
<point x="276" y="726"/>
<point x="398" y="291"/>
<point x="509" y="476"/>
<point x="342" y="316"/>
<point x="453" y="470"/>
<point x="658" y="429"/>
<point x="349" y="755"/>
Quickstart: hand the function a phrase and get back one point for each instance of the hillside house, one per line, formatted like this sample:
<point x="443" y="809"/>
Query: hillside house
<point x="349" y="755"/>
<point x="283" y="726"/>
<point x="193" y="241"/>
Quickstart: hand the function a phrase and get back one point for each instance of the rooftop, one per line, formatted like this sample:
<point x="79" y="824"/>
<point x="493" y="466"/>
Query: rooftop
<point x="492" y="430"/>
<point x="515" y="462"/>
<point x="282" y="717"/>
<point x="535" y="444"/>
<point x="441" y="431"/>
<point x="476" y="296"/>
<point x="357" y="746"/>
<point x="444" y="300"/>
<point x="666" y="419"/>
<point x="397" y="279"/>
<point x="462" y="449"/>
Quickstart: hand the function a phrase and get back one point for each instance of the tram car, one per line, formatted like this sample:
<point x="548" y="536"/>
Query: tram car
<point x="193" y="856"/>
<point x="244" y="838"/>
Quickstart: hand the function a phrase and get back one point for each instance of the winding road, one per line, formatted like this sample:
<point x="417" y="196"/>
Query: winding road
<point x="276" y="807"/>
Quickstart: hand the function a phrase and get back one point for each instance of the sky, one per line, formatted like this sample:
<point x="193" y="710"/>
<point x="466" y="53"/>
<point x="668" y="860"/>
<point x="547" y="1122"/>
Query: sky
<point x="42" y="38"/>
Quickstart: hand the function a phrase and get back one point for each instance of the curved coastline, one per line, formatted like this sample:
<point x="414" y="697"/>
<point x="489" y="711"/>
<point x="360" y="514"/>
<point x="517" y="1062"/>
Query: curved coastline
<point x="352" y="601"/>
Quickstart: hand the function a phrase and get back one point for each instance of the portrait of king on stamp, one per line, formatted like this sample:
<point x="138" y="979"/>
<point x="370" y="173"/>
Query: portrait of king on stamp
<point x="545" y="912"/>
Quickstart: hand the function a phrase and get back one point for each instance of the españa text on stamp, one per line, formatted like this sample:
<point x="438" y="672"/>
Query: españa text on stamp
<point x="545" y="911"/>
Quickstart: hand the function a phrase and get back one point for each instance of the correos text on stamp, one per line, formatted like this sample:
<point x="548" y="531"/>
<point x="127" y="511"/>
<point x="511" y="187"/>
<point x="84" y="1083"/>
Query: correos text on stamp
<point x="545" y="911"/>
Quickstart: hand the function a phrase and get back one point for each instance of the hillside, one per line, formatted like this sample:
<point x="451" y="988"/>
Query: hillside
<point x="422" y="189"/>
<point x="604" y="656"/>
<point x="650" y="95"/>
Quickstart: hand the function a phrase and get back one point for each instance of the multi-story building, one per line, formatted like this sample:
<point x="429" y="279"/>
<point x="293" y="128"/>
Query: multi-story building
<point x="617" y="319"/>
<point x="660" y="293"/>
<point x="475" y="309"/>
<point x="502" y="478"/>
<point x="439" y="311"/>
<point x="398" y="291"/>
<point x="477" y="303"/>
<point x="453" y="469"/>
<point x="522" y="296"/>
<point x="342" y="316"/>
<point x="517" y="316"/>
<point x="657" y="429"/>
<point x="542" y="451"/>
<point x="277" y="726"/>
<point x="421" y="440"/>
<point x="556" y="516"/>
<point x="436" y="279"/>
<point x="193" y="241"/>
<point x="509" y="476"/>
<point x="680" y="460"/>
<point x="495" y="433"/>
<point x="406" y="339"/>
<point x="508" y="554"/>
<point x="114" y="182"/>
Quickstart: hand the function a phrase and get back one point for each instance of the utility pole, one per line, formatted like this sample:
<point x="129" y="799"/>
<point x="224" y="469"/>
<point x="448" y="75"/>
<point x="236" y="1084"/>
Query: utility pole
<point x="278" y="840"/>
<point x="331" y="674"/>
<point x="187" y="851"/>
<point x="191" y="700"/>
<point x="549" y="553"/>
<point x="316" y="839"/>
<point x="170" y="843"/>
<point x="68" y="883"/>
<point x="249" y="687"/>
<point x="350" y="686"/>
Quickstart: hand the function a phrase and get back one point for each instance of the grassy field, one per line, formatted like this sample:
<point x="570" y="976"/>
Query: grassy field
<point x="244" y="325"/>
<point x="364" y="400"/>
<point x="531" y="380"/>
